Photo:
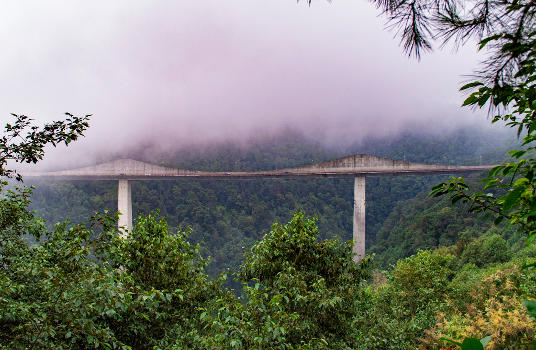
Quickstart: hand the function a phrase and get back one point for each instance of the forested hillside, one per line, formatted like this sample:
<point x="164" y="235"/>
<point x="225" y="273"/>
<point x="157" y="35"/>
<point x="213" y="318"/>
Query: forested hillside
<point x="425" y="223"/>
<point x="226" y="216"/>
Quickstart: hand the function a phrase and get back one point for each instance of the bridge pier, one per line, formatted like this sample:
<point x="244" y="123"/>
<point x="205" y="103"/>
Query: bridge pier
<point x="124" y="206"/>
<point x="359" y="218"/>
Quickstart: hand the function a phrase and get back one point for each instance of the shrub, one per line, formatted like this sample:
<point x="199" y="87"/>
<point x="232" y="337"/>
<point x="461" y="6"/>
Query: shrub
<point x="495" y="309"/>
<point x="301" y="293"/>
<point x="74" y="291"/>
<point x="395" y="314"/>
<point x="486" y="251"/>
<point x="422" y="279"/>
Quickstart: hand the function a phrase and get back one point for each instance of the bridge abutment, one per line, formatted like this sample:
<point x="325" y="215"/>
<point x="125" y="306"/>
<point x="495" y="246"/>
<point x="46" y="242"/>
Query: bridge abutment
<point x="359" y="218"/>
<point x="124" y="206"/>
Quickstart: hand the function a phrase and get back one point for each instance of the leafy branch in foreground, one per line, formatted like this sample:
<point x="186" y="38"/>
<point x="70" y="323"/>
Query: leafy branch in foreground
<point x="471" y="343"/>
<point x="24" y="142"/>
<point x="510" y="193"/>
<point x="498" y="25"/>
<point x="516" y="181"/>
<point x="506" y="84"/>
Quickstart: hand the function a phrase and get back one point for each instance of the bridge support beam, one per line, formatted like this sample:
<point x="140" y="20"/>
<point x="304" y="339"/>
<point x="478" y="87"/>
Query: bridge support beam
<point x="359" y="218"/>
<point x="124" y="206"/>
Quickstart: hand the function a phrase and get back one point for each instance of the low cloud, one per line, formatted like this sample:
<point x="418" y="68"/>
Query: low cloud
<point x="194" y="72"/>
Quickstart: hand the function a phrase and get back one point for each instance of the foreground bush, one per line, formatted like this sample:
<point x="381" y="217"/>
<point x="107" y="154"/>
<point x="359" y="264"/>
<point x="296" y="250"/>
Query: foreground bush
<point x="86" y="288"/>
<point x="300" y="293"/>
<point x="493" y="308"/>
<point x="396" y="312"/>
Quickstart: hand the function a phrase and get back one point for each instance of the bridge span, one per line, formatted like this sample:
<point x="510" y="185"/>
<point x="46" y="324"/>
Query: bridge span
<point x="358" y="166"/>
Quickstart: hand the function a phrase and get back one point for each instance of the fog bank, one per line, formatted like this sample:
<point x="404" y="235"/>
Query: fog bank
<point x="173" y="74"/>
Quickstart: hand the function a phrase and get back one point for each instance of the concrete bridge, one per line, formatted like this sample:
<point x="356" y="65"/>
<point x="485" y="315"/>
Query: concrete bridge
<point x="358" y="166"/>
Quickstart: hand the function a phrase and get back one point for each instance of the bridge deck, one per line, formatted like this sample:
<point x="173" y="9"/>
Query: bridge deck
<point x="351" y="166"/>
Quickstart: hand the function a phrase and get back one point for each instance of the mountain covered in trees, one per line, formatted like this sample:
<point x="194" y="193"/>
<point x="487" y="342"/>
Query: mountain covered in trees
<point x="226" y="216"/>
<point x="87" y="286"/>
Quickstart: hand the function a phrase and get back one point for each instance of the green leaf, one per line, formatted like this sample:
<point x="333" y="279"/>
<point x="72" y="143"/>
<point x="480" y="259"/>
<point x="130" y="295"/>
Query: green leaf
<point x="517" y="153"/>
<point x="472" y="99"/>
<point x="485" y="340"/>
<point x="512" y="199"/>
<point x="472" y="344"/>
<point x="485" y="41"/>
<point x="483" y="99"/>
<point x="531" y="307"/>
<point x="470" y="85"/>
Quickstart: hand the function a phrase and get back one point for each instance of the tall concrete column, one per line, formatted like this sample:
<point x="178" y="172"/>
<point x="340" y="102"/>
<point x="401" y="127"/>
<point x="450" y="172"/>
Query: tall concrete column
<point x="359" y="218"/>
<point x="124" y="206"/>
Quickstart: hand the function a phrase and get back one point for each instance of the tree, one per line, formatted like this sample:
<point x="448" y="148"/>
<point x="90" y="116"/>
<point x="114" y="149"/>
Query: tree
<point x="504" y="27"/>
<point x="317" y="282"/>
<point x="24" y="142"/>
<point x="300" y="294"/>
<point x="395" y="313"/>
<point x="86" y="287"/>
<point x="164" y="275"/>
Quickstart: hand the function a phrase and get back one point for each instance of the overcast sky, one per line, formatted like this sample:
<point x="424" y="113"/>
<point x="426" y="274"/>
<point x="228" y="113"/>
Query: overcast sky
<point x="203" y="70"/>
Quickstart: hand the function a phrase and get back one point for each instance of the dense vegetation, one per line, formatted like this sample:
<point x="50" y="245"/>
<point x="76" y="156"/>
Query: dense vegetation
<point x="85" y="287"/>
